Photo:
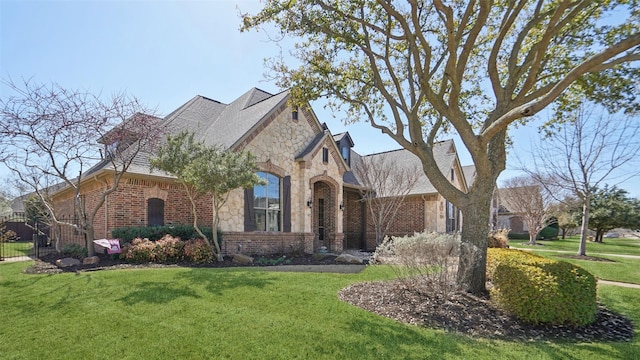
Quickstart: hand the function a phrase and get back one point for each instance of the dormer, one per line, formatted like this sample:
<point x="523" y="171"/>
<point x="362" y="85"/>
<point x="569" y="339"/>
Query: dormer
<point x="344" y="143"/>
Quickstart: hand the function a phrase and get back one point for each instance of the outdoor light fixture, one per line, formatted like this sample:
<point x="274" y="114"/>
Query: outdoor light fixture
<point x="342" y="206"/>
<point x="310" y="202"/>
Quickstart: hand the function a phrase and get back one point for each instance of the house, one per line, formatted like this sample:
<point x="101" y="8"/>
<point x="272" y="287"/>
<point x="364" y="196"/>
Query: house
<point x="505" y="218"/>
<point x="311" y="198"/>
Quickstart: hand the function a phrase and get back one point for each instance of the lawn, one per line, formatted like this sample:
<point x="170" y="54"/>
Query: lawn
<point x="20" y="248"/>
<point x="239" y="314"/>
<point x="626" y="246"/>
<point x="618" y="269"/>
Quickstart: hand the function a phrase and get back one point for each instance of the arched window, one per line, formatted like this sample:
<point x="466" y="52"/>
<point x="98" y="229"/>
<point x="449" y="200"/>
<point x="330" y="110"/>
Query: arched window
<point x="155" y="212"/>
<point x="267" y="203"/>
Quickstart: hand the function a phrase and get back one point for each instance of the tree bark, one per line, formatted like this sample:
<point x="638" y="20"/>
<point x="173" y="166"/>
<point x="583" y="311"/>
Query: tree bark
<point x="473" y="247"/>
<point x="89" y="237"/>
<point x="586" y="207"/>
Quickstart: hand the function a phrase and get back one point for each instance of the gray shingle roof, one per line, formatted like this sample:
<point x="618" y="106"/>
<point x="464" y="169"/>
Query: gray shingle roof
<point x="215" y="123"/>
<point x="443" y="152"/>
<point x="469" y="172"/>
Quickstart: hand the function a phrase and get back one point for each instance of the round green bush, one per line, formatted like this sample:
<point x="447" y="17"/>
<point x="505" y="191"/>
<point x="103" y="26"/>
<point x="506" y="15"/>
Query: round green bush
<point x="542" y="291"/>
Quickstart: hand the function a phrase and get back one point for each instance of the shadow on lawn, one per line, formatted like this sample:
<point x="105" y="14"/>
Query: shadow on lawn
<point x="185" y="284"/>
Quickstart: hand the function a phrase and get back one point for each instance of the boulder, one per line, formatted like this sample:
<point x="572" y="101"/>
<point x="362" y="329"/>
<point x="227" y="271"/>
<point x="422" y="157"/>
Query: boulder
<point x="91" y="260"/>
<point x="348" y="259"/>
<point x="242" y="259"/>
<point x="66" y="262"/>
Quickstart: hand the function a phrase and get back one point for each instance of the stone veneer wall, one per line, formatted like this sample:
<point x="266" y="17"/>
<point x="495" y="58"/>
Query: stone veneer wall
<point x="276" y="143"/>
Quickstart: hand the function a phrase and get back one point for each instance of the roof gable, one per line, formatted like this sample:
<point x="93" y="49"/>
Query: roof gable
<point x="444" y="153"/>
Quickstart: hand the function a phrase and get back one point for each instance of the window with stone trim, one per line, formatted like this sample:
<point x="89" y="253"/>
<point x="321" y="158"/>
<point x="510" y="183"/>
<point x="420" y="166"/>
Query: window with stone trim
<point x="267" y="203"/>
<point x="260" y="195"/>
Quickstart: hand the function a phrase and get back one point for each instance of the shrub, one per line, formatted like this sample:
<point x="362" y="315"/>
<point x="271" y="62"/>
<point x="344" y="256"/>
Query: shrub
<point x="540" y="290"/>
<point x="74" y="250"/>
<point x="154" y="233"/>
<point x="423" y="262"/>
<point x="169" y="249"/>
<point x="498" y="239"/>
<point x="549" y="232"/>
<point x="198" y="251"/>
<point x="140" y="250"/>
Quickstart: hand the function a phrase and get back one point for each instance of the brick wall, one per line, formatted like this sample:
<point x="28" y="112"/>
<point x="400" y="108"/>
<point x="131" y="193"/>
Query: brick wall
<point x="412" y="216"/>
<point x="264" y="243"/>
<point x="353" y="219"/>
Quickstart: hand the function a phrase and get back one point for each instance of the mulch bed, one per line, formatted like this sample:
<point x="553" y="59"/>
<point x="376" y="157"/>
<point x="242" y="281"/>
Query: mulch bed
<point x="476" y="316"/>
<point x="47" y="263"/>
<point x="461" y="313"/>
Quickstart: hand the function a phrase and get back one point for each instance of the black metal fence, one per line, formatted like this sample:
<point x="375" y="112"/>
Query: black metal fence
<point x="24" y="237"/>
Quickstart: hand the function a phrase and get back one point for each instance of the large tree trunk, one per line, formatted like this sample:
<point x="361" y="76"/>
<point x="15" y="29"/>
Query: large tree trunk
<point x="473" y="248"/>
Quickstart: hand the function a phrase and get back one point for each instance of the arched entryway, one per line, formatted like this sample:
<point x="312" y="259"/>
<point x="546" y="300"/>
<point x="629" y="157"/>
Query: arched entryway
<point x="325" y="220"/>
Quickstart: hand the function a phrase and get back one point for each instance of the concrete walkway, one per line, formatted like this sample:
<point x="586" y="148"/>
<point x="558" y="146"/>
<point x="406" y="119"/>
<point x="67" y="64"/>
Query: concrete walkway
<point x="574" y="253"/>
<point x="616" y="283"/>
<point x="603" y="282"/>
<point x="354" y="269"/>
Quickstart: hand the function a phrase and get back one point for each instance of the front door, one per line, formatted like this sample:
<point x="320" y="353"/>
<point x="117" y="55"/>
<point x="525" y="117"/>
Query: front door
<point x="321" y="221"/>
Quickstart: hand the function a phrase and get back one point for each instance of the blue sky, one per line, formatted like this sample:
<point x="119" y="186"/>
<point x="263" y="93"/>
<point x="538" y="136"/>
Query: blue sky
<point x="163" y="52"/>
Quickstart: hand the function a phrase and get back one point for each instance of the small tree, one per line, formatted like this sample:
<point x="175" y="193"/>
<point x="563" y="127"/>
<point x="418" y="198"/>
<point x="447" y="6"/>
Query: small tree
<point x="525" y="197"/>
<point x="612" y="208"/>
<point x="206" y="170"/>
<point x="49" y="139"/>
<point x="586" y="152"/>
<point x="386" y="185"/>
<point x="567" y="213"/>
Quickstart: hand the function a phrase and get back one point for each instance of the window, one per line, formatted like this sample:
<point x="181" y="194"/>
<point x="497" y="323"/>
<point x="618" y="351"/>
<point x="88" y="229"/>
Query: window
<point x="266" y="203"/>
<point x="453" y="218"/>
<point x="294" y="114"/>
<point x="155" y="212"/>
<point x="325" y="155"/>
<point x="345" y="155"/>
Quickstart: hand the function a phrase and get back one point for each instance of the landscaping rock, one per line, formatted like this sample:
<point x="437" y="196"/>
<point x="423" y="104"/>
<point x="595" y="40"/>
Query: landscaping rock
<point x="242" y="259"/>
<point x="348" y="259"/>
<point x="91" y="260"/>
<point x="66" y="262"/>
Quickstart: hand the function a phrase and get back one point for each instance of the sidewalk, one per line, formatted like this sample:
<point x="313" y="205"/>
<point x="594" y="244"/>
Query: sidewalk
<point x="603" y="282"/>
<point x="616" y="283"/>
<point x="573" y="252"/>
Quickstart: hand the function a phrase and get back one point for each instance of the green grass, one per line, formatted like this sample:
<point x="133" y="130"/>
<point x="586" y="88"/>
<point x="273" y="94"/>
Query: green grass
<point x="619" y="269"/>
<point x="195" y="313"/>
<point x="10" y="249"/>
<point x="609" y="246"/>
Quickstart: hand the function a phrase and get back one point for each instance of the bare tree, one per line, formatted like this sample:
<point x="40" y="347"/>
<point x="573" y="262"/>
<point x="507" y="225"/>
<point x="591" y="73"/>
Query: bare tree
<point x="50" y="139"/>
<point x="525" y="197"/>
<point x="591" y="148"/>
<point x="386" y="185"/>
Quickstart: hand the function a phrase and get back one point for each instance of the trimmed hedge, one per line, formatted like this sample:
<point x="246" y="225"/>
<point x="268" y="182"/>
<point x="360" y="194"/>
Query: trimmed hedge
<point x="549" y="232"/>
<point x="154" y="233"/>
<point x="540" y="290"/>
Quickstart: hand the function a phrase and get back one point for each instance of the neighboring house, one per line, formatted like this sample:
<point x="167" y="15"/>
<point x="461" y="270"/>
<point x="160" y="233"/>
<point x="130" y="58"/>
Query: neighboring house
<point x="504" y="218"/>
<point x="311" y="198"/>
